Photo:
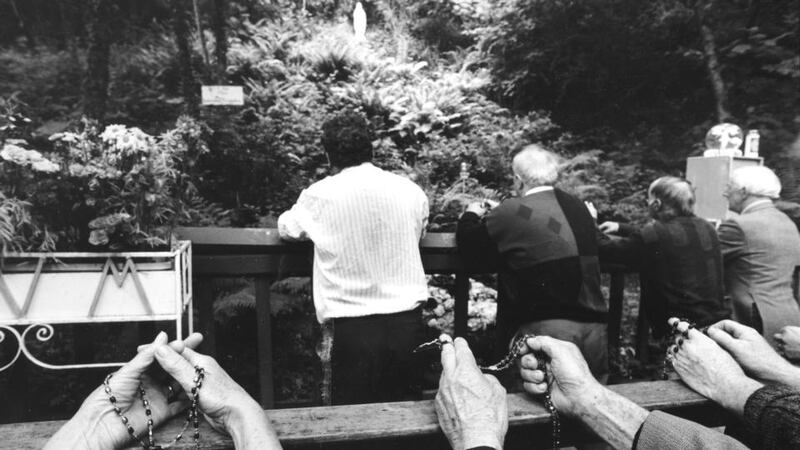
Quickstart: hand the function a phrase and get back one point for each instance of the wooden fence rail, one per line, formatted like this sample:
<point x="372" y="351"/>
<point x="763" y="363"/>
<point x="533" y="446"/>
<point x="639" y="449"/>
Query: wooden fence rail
<point x="260" y="253"/>
<point x="321" y="427"/>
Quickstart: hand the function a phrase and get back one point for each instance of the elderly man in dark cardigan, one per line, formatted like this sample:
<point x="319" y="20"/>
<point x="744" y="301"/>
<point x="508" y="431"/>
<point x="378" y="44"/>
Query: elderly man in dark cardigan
<point x="544" y="242"/>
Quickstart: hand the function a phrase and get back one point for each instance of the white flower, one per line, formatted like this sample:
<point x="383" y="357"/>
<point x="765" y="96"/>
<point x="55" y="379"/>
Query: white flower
<point x="112" y="133"/>
<point x="13" y="153"/>
<point x="46" y="166"/>
<point x="34" y="156"/>
<point x="65" y="137"/>
<point x="127" y="141"/>
<point x="18" y="155"/>
<point x="76" y="170"/>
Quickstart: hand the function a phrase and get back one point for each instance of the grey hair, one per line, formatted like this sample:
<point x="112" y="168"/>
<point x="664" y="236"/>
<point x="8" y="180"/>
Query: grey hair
<point x="675" y="193"/>
<point x="536" y="166"/>
<point x="758" y="181"/>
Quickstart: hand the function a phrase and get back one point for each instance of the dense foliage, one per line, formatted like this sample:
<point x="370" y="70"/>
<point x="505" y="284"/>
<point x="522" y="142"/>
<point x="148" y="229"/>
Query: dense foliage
<point x="624" y="90"/>
<point x="119" y="189"/>
<point x="645" y="79"/>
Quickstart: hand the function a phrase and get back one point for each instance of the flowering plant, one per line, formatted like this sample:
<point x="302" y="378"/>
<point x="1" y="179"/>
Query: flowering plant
<point x="115" y="189"/>
<point x="482" y="309"/>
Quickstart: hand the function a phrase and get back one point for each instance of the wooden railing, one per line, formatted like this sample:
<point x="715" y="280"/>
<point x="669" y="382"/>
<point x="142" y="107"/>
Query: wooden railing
<point x="260" y="253"/>
<point x="408" y="422"/>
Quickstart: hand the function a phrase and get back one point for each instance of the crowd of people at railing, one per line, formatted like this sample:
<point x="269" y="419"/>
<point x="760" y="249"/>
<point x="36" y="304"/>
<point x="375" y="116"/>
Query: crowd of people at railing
<point x="721" y="298"/>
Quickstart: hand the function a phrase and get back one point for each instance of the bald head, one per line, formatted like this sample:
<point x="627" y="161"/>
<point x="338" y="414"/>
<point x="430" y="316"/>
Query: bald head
<point x="535" y="166"/>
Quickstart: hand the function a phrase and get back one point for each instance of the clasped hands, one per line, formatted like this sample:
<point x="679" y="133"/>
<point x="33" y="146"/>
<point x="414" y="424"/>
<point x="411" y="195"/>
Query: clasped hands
<point x="788" y="341"/>
<point x="225" y="404"/>
<point x="729" y="363"/>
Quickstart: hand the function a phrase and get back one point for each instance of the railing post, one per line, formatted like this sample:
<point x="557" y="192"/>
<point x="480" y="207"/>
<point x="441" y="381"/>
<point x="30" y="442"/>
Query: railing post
<point x="642" y="334"/>
<point x="616" y="294"/>
<point x="461" y="308"/>
<point x="264" y="344"/>
<point x="204" y="301"/>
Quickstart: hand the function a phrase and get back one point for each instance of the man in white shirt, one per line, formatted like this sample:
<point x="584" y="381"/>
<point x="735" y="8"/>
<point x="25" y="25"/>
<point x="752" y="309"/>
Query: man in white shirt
<point x="369" y="284"/>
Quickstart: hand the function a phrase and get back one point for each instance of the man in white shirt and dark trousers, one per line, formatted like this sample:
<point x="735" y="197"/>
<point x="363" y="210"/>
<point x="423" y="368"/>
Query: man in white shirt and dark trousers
<point x="368" y="281"/>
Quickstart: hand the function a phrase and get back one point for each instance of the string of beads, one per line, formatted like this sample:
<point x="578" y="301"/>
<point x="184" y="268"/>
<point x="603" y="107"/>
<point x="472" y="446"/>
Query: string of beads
<point x="192" y="416"/>
<point x="517" y="346"/>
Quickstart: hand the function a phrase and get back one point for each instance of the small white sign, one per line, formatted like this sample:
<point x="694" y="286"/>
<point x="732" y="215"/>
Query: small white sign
<point x="222" y="95"/>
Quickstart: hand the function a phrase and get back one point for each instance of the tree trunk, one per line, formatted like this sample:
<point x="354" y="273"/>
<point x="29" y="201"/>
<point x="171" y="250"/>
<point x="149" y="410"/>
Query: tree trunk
<point x="200" y="33"/>
<point x="220" y="25"/>
<point x="180" y="24"/>
<point x="95" y="84"/>
<point x="62" y="27"/>
<point x="25" y="29"/>
<point x="712" y="62"/>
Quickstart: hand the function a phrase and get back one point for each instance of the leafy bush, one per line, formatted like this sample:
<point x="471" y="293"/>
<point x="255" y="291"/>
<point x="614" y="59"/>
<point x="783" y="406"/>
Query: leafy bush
<point x="46" y="82"/>
<point x="619" y="192"/>
<point x="336" y="64"/>
<point x="144" y="84"/>
<point x="439" y="25"/>
<point x="119" y="189"/>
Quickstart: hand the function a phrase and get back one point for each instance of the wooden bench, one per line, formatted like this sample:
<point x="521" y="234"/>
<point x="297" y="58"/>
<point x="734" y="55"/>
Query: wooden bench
<point x="260" y="253"/>
<point x="315" y="427"/>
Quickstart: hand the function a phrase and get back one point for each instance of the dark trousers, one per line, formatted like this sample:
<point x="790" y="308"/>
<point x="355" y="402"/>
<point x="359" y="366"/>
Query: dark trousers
<point x="372" y="359"/>
<point x="590" y="337"/>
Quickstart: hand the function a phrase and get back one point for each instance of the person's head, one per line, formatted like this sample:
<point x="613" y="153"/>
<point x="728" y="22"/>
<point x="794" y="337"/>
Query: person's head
<point x="534" y="166"/>
<point x="749" y="184"/>
<point x="670" y="197"/>
<point x="347" y="139"/>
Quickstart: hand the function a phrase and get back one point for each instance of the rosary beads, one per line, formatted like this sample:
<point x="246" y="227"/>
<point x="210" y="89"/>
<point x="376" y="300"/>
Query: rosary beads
<point x="673" y="339"/>
<point x="192" y="416"/>
<point x="676" y="339"/>
<point x="517" y="346"/>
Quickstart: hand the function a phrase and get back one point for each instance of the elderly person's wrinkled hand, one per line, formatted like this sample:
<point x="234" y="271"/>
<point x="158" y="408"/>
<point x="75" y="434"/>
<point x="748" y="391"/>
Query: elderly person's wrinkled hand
<point x="471" y="406"/>
<point x="609" y="227"/>
<point x="748" y="348"/>
<point x="709" y="369"/>
<point x="224" y="403"/>
<point x="96" y="425"/>
<point x="789" y="342"/>
<point x="479" y="208"/>
<point x="572" y="385"/>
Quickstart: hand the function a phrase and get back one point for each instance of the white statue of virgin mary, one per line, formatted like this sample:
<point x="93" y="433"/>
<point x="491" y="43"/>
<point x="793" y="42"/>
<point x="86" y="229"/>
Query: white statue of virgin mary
<point x="360" y="22"/>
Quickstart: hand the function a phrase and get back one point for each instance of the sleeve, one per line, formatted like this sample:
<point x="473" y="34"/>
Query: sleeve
<point x="627" y="230"/>
<point x="473" y="240"/>
<point x="731" y="240"/>
<point x="621" y="250"/>
<point x="295" y="224"/>
<point x="664" y="431"/>
<point x="772" y="416"/>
